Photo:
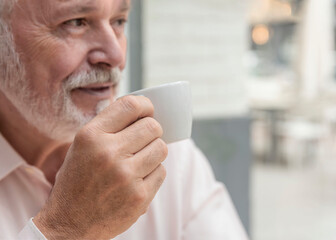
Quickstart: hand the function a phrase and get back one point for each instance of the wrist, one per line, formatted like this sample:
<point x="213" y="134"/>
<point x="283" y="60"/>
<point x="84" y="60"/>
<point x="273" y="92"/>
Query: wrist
<point x="53" y="229"/>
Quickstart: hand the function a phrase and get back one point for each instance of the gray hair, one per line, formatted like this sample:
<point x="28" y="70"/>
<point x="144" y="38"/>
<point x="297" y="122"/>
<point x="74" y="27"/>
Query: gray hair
<point x="9" y="59"/>
<point x="6" y="7"/>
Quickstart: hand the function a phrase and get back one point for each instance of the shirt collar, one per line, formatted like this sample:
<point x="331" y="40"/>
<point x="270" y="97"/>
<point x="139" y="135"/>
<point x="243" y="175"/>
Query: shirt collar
<point x="9" y="158"/>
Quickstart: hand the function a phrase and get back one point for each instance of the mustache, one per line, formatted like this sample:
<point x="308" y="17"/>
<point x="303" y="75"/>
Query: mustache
<point x="96" y="75"/>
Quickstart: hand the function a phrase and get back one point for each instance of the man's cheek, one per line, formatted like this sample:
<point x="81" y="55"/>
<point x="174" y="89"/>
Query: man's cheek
<point x="123" y="45"/>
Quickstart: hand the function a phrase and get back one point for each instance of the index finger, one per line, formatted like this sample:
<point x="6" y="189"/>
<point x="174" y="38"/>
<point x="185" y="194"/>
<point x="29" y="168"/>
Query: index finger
<point x="122" y="113"/>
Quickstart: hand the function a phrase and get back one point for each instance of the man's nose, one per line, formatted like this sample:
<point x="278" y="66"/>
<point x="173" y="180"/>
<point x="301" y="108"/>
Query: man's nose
<point x="107" y="51"/>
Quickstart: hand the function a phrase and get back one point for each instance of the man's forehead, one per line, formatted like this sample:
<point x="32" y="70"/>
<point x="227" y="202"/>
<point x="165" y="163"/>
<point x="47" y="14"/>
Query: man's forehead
<point x="55" y="9"/>
<point x="124" y="3"/>
<point x="49" y="5"/>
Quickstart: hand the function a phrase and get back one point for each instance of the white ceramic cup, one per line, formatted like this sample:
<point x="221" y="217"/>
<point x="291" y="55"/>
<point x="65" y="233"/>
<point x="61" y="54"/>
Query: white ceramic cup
<point x="172" y="109"/>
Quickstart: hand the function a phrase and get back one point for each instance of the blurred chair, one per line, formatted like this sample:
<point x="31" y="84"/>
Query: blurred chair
<point x="259" y="137"/>
<point x="301" y="141"/>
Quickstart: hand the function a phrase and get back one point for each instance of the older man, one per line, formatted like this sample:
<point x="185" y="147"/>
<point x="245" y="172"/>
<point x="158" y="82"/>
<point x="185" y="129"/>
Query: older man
<point x="75" y="164"/>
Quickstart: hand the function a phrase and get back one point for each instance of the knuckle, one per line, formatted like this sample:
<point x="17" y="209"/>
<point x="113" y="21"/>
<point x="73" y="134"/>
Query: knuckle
<point x="107" y="154"/>
<point x="140" y="197"/>
<point x="86" y="133"/>
<point x="104" y="157"/>
<point x="116" y="149"/>
<point x="130" y="103"/>
<point x="159" y="179"/>
<point x="123" y="175"/>
<point x="163" y="173"/>
<point x="147" y="161"/>
<point x="149" y="104"/>
<point x="162" y="146"/>
<point x="153" y="126"/>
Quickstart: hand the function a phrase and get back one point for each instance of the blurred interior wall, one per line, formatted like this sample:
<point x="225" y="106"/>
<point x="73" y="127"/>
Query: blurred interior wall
<point x="203" y="42"/>
<point x="226" y="142"/>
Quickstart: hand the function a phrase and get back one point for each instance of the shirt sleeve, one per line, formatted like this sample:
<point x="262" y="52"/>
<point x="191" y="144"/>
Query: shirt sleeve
<point x="31" y="232"/>
<point x="211" y="213"/>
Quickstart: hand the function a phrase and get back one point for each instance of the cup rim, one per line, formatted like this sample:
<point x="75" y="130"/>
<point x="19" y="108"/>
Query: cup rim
<point x="160" y="86"/>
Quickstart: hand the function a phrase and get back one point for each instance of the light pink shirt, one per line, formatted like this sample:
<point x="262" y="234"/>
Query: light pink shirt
<point x="190" y="205"/>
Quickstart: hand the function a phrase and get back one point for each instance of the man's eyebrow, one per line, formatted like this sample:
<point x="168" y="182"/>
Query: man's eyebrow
<point x="79" y="8"/>
<point x="86" y="6"/>
<point x="83" y="9"/>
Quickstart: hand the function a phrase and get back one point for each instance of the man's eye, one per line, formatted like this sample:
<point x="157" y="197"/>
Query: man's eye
<point x="121" y="22"/>
<point x="80" y="22"/>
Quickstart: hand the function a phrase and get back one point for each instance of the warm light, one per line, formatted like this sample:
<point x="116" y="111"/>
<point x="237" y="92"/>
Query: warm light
<point x="260" y="34"/>
<point x="287" y="9"/>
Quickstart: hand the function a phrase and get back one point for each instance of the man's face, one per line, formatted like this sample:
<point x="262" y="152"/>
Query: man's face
<point x="72" y="52"/>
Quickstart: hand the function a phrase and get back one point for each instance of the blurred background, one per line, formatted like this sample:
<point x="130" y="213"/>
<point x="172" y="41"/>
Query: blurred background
<point x="263" y="80"/>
